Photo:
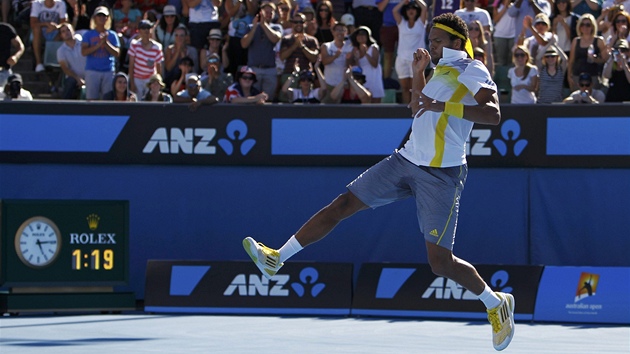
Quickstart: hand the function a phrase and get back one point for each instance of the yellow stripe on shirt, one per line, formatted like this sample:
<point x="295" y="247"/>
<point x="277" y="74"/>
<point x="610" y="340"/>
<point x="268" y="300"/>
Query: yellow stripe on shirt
<point x="440" y="129"/>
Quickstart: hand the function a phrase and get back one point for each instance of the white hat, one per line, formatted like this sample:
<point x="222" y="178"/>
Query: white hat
<point x="169" y="10"/>
<point x="347" y="19"/>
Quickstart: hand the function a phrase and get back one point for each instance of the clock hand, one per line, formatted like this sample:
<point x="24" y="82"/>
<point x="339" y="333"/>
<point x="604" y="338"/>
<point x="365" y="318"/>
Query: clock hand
<point x="39" y="243"/>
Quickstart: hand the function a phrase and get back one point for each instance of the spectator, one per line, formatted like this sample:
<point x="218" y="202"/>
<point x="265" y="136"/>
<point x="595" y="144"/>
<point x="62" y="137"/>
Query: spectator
<point x="588" y="52"/>
<point x="126" y="21"/>
<point x="521" y="8"/>
<point x="411" y="17"/>
<point x="366" y="13"/>
<point x="243" y="90"/>
<point x="214" y="46"/>
<point x="586" y="93"/>
<point x="388" y="35"/>
<point x="13" y="90"/>
<point x="164" y="32"/>
<point x="145" y="59"/>
<point x="366" y="56"/>
<point x="185" y="69"/>
<point x="305" y="93"/>
<point x="581" y="7"/>
<point x="606" y="21"/>
<point x="564" y="24"/>
<point x="214" y="79"/>
<point x="617" y="71"/>
<point x="348" y="21"/>
<point x="540" y="39"/>
<point x="482" y="40"/>
<point x="100" y="46"/>
<point x="87" y="8"/>
<point x="285" y="16"/>
<point x="523" y="77"/>
<point x="503" y="36"/>
<point x="335" y="56"/>
<point x="260" y="41"/>
<point x="242" y="14"/>
<point x="194" y="94"/>
<point x="351" y="89"/>
<point x="71" y="61"/>
<point x="203" y="15"/>
<point x="619" y="30"/>
<point x="175" y="53"/>
<point x="120" y="90"/>
<point x="155" y="91"/>
<point x="11" y="50"/>
<point x="552" y="71"/>
<point x="310" y="27"/>
<point x="46" y="15"/>
<point x="325" y="21"/>
<point x="470" y="13"/>
<point x="298" y="50"/>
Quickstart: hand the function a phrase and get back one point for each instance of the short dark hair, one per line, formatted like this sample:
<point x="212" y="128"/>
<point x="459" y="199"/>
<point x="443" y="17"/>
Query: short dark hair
<point x="411" y="5"/>
<point x="187" y="61"/>
<point x="456" y="23"/>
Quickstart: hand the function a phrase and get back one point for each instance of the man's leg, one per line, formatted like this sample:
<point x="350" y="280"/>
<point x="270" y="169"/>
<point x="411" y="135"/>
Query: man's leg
<point x="269" y="260"/>
<point x="500" y="306"/>
<point x="325" y="220"/>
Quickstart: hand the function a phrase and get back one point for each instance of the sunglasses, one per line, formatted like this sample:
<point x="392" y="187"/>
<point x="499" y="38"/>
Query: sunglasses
<point x="102" y="15"/>
<point x="284" y="8"/>
<point x="247" y="77"/>
<point x="474" y="29"/>
<point x="520" y="55"/>
<point x="586" y="24"/>
<point x="621" y="20"/>
<point x="213" y="60"/>
<point x="585" y="84"/>
<point x="194" y="85"/>
<point x="297" y="22"/>
<point x="324" y="10"/>
<point x="550" y="56"/>
<point x="169" y="16"/>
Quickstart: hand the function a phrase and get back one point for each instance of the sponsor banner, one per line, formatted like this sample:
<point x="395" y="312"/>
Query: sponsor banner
<point x="300" y="288"/>
<point x="584" y="294"/>
<point x="412" y="290"/>
<point x="294" y="135"/>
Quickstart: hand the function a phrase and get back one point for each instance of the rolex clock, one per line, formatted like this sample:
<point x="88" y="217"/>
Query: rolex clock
<point x="38" y="242"/>
<point x="64" y="243"/>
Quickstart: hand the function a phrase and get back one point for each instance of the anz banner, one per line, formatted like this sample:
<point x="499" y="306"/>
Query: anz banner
<point x="295" y="135"/>
<point x="412" y="290"/>
<point x="300" y="288"/>
<point x="584" y="294"/>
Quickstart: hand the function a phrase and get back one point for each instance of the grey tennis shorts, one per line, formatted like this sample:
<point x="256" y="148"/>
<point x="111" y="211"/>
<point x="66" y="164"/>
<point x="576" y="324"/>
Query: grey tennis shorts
<point x="437" y="192"/>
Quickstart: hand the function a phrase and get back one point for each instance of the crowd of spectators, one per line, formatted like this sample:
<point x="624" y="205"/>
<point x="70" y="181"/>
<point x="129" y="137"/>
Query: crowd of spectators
<point x="312" y="51"/>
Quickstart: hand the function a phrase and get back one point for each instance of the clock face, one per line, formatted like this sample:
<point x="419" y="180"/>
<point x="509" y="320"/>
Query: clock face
<point x="38" y="242"/>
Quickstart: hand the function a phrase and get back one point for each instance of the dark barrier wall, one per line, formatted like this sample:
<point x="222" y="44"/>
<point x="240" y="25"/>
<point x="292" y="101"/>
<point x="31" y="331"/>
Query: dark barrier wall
<point x="183" y="206"/>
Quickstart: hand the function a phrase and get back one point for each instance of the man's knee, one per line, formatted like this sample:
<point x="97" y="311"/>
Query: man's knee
<point x="345" y="205"/>
<point x="440" y="260"/>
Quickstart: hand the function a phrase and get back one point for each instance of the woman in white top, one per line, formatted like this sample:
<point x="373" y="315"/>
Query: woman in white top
<point x="523" y="77"/>
<point x="335" y="56"/>
<point x="366" y="55"/>
<point x="411" y="17"/>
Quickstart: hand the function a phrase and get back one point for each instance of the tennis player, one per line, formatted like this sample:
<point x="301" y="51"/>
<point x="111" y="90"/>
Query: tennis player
<point x="431" y="167"/>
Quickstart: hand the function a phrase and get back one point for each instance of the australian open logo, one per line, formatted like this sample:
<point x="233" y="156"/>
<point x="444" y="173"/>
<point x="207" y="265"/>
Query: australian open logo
<point x="586" y="288"/>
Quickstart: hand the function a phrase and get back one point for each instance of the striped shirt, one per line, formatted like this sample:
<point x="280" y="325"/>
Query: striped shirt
<point x="437" y="139"/>
<point x="550" y="87"/>
<point x="145" y="59"/>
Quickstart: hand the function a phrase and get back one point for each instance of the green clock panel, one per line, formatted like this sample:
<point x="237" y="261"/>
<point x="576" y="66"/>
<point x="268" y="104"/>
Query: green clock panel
<point x="64" y="243"/>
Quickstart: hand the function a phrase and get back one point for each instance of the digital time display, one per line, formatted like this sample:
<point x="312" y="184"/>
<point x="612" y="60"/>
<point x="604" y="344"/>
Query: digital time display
<point x="94" y="260"/>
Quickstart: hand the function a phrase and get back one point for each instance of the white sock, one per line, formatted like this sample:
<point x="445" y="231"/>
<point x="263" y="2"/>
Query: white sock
<point x="489" y="298"/>
<point x="291" y="247"/>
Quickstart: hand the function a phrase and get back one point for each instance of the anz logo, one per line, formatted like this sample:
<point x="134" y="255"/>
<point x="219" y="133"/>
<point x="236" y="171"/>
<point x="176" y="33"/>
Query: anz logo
<point x="200" y="141"/>
<point x="258" y="285"/>
<point x="509" y="142"/>
<point x="393" y="279"/>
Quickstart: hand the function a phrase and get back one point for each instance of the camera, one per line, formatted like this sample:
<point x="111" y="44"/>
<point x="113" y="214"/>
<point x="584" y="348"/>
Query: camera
<point x="584" y="94"/>
<point x="14" y="89"/>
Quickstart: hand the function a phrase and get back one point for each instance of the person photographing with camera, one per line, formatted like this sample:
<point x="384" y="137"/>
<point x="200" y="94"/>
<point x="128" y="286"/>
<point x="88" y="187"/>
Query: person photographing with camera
<point x="13" y="90"/>
<point x="585" y="92"/>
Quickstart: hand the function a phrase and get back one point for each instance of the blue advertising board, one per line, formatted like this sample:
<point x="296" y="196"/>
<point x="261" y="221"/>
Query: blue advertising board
<point x="584" y="294"/>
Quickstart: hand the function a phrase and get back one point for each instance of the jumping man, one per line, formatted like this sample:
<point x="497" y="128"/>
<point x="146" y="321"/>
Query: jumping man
<point x="430" y="167"/>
